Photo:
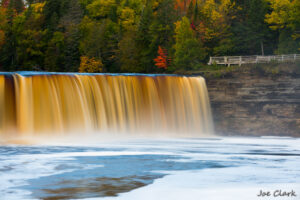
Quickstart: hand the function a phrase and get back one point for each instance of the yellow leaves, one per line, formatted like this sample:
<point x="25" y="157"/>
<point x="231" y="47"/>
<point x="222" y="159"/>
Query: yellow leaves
<point x="177" y="24"/>
<point x="37" y="10"/>
<point x="100" y="8"/>
<point x="285" y="14"/>
<point x="215" y="17"/>
<point x="280" y="13"/>
<point x="156" y="4"/>
<point x="86" y="24"/>
<point x="128" y="18"/>
<point x="90" y="65"/>
<point x="215" y="12"/>
<point x="183" y="30"/>
<point x="32" y="41"/>
<point x="209" y="9"/>
<point x="183" y="34"/>
<point x="38" y="7"/>
<point x="226" y="6"/>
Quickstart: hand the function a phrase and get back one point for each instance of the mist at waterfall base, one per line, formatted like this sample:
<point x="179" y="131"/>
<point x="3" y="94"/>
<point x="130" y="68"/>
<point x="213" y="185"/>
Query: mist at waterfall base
<point x="131" y="137"/>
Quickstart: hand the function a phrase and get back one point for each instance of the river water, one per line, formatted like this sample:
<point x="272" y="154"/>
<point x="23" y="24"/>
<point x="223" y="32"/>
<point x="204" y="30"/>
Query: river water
<point x="208" y="168"/>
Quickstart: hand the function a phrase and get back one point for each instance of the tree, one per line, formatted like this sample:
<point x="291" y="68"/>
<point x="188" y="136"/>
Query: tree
<point x="100" y="40"/>
<point x="162" y="59"/>
<point x="162" y="28"/>
<point x="128" y="53"/>
<point x="70" y="23"/>
<point x="2" y="26"/>
<point x="56" y="14"/>
<point x="285" y="14"/>
<point x="140" y="35"/>
<point x="53" y="12"/>
<point x="17" y="5"/>
<point x="54" y="55"/>
<point x="156" y="28"/>
<point x="146" y="52"/>
<point x="30" y="38"/>
<point x="214" y="23"/>
<point x="182" y="6"/>
<point x="285" y="17"/>
<point x="8" y="54"/>
<point x="250" y="33"/>
<point x="100" y="9"/>
<point x="90" y="65"/>
<point x="190" y="11"/>
<point x="189" y="51"/>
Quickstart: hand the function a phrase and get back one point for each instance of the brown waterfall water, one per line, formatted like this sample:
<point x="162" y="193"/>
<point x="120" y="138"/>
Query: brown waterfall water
<point x="39" y="104"/>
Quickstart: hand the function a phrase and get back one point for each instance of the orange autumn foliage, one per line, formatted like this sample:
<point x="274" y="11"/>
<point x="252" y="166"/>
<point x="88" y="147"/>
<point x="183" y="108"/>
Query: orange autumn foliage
<point x="90" y="65"/>
<point x="161" y="61"/>
<point x="182" y="5"/>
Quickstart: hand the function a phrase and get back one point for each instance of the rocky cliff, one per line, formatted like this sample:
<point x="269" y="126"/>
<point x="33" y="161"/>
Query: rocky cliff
<point x="257" y="101"/>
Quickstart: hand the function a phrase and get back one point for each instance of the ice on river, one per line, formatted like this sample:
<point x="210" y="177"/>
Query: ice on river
<point x="175" y="169"/>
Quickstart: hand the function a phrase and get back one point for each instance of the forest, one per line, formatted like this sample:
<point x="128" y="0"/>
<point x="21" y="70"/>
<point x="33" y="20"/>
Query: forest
<point x="141" y="36"/>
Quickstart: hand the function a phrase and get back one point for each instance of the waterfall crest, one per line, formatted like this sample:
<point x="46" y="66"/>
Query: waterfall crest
<point x="53" y="103"/>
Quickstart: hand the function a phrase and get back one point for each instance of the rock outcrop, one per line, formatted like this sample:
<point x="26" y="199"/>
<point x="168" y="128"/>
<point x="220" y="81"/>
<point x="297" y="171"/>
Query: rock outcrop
<point x="257" y="102"/>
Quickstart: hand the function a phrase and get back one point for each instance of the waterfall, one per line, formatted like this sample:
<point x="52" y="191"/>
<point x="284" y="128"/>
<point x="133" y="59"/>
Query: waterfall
<point x="36" y="104"/>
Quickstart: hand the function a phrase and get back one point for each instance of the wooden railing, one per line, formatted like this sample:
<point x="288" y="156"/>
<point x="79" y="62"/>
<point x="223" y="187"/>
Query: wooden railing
<point x="240" y="60"/>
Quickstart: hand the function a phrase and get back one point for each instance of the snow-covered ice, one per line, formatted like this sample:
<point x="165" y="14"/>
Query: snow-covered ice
<point x="190" y="169"/>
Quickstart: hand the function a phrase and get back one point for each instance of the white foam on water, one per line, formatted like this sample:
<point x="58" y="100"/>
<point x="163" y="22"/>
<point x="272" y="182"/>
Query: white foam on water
<point x="258" y="164"/>
<point x="211" y="184"/>
<point x="232" y="183"/>
<point x="94" y="154"/>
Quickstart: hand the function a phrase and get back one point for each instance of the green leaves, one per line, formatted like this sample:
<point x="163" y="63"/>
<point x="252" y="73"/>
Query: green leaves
<point x="99" y="40"/>
<point x="54" y="35"/>
<point x="188" y="50"/>
<point x="100" y="8"/>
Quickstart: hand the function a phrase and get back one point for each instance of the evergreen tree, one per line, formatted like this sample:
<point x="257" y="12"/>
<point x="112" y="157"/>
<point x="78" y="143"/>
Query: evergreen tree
<point x="53" y="12"/>
<point x="162" y="28"/>
<point x="30" y="38"/>
<point x="128" y="54"/>
<point x="190" y="12"/>
<point x="143" y="40"/>
<point x="70" y="23"/>
<point x="251" y="34"/>
<point x="189" y="52"/>
<point x="196" y="13"/>
<point x="125" y="35"/>
<point x="100" y="41"/>
<point x="8" y="55"/>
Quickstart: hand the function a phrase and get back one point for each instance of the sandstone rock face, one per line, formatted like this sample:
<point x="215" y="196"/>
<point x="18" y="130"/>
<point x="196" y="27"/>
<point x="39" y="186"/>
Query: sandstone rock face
<point x="247" y="103"/>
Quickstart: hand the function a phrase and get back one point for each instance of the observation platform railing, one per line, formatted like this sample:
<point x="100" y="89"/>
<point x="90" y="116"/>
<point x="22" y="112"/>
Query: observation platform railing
<point x="241" y="60"/>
